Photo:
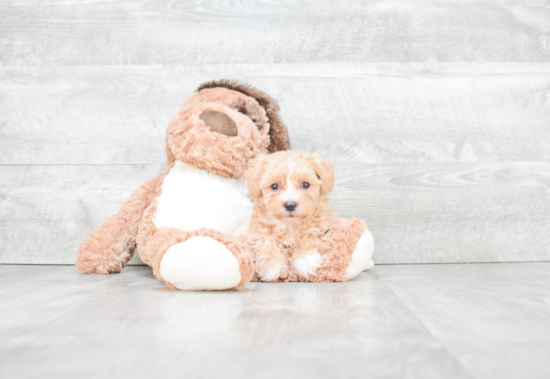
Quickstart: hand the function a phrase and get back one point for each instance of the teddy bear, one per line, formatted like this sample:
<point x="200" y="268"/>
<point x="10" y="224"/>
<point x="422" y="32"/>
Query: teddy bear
<point x="189" y="223"/>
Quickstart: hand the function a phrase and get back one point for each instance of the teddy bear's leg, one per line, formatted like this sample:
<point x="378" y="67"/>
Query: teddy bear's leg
<point x="346" y="250"/>
<point x="362" y="255"/>
<point x="201" y="260"/>
<point x="109" y="247"/>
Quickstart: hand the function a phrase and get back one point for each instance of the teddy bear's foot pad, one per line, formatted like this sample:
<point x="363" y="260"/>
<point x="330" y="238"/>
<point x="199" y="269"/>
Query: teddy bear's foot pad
<point x="200" y="263"/>
<point x="361" y="259"/>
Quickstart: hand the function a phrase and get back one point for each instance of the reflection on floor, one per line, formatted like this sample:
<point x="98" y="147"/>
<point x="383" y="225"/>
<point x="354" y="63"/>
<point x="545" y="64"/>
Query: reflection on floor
<point x="417" y="321"/>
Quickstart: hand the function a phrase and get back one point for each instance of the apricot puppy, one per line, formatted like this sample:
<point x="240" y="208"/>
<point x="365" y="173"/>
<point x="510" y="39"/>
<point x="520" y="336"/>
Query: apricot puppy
<point x="290" y="213"/>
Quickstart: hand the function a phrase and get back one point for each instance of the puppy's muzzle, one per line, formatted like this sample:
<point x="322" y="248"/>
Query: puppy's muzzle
<point x="290" y="206"/>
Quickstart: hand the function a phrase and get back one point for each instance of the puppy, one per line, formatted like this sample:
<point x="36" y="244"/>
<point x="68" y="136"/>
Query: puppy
<point x="290" y="213"/>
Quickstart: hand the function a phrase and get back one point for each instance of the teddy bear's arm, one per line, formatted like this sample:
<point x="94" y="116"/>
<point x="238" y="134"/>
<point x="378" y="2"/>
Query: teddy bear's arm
<point x="109" y="247"/>
<point x="346" y="249"/>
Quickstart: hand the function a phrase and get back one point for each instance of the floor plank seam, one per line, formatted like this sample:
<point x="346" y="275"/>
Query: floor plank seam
<point x="425" y="327"/>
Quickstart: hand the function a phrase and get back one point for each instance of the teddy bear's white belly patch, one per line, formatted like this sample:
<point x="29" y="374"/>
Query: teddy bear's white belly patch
<point x="194" y="198"/>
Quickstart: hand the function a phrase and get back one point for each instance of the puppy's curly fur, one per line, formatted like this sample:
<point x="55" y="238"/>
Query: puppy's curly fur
<point x="291" y="212"/>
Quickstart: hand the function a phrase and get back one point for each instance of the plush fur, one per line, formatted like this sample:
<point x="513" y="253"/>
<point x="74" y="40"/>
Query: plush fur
<point x="197" y="209"/>
<point x="277" y="132"/>
<point x="191" y="142"/>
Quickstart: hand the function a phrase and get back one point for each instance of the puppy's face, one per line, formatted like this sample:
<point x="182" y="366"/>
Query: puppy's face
<point x="290" y="184"/>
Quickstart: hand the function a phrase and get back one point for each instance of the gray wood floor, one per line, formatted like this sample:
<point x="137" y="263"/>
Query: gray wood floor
<point x="399" y="321"/>
<point x="435" y="113"/>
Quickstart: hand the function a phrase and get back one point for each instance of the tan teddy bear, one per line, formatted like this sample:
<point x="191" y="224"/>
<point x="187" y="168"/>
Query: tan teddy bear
<point x="189" y="222"/>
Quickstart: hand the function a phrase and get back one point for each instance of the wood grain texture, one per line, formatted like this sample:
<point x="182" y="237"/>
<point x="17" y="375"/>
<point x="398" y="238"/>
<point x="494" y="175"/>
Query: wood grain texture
<point x="401" y="321"/>
<point x="450" y="212"/>
<point x="436" y="114"/>
<point x="493" y="318"/>
<point x="350" y="113"/>
<point x="426" y="212"/>
<point x="128" y="32"/>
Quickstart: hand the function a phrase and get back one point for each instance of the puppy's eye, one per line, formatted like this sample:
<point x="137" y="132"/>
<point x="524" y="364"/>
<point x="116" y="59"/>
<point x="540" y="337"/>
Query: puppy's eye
<point x="274" y="187"/>
<point x="305" y="185"/>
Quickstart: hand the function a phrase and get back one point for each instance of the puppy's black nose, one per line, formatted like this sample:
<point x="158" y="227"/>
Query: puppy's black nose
<point x="290" y="205"/>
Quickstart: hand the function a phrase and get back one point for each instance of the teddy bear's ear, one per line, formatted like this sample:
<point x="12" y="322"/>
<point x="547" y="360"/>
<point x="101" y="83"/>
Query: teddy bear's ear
<point x="220" y="123"/>
<point x="254" y="176"/>
<point x="325" y="173"/>
<point x="278" y="133"/>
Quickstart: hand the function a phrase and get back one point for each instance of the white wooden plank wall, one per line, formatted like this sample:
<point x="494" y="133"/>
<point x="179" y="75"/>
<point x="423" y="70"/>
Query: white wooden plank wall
<point x="435" y="113"/>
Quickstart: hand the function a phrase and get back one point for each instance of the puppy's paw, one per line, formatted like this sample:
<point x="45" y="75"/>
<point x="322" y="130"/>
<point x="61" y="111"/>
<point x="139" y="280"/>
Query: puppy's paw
<point x="270" y="270"/>
<point x="308" y="264"/>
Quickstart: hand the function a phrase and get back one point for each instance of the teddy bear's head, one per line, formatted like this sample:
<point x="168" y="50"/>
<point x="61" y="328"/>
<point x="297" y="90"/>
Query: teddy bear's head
<point x="223" y="126"/>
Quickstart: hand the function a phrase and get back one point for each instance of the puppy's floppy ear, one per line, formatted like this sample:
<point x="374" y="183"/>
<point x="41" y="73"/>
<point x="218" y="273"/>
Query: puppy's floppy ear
<point x="325" y="173"/>
<point x="254" y="176"/>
